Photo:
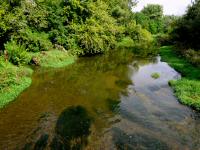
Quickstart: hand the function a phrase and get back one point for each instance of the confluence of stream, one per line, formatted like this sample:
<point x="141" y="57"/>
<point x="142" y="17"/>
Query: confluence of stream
<point x="105" y="102"/>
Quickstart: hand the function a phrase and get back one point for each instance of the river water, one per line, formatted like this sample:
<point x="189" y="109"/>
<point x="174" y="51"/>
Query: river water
<point x="104" y="102"/>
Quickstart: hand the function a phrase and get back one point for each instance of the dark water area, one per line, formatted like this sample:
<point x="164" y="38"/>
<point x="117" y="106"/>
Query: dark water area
<point x="107" y="102"/>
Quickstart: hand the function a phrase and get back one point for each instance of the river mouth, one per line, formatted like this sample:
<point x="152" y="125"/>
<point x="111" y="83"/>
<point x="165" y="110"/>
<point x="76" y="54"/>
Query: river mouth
<point x="103" y="102"/>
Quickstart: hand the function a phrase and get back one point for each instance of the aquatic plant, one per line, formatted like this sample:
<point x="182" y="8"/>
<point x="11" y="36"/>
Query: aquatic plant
<point x="155" y="75"/>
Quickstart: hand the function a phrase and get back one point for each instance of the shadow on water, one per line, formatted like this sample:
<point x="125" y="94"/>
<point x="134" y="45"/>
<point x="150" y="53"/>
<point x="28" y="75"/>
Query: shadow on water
<point x="72" y="129"/>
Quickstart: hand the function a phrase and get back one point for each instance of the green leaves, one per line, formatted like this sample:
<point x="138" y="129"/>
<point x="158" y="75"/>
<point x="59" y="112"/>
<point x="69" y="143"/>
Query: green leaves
<point x="34" y="41"/>
<point x="35" y="15"/>
<point x="77" y="11"/>
<point x="96" y="35"/>
<point x="16" y="53"/>
<point x="187" y="30"/>
<point x="82" y="27"/>
<point x="153" y="11"/>
<point x="151" y="18"/>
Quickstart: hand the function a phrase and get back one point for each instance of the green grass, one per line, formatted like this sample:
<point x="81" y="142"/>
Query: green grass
<point x="178" y="63"/>
<point x="186" y="89"/>
<point x="13" y="80"/>
<point x="155" y="75"/>
<point x="13" y="91"/>
<point x="54" y="58"/>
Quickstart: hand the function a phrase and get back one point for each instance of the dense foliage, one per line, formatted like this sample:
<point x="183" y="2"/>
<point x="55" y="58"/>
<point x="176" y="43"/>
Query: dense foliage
<point x="151" y="18"/>
<point x="186" y="33"/>
<point x="187" y="30"/>
<point x="80" y="27"/>
<point x="51" y="33"/>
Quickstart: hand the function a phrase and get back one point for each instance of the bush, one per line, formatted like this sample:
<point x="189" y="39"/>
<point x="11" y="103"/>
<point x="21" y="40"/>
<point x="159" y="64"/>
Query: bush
<point x="151" y="18"/>
<point x="10" y="74"/>
<point x="34" y="41"/>
<point x="16" y="53"/>
<point x="87" y="40"/>
<point x="7" y="77"/>
<point x="143" y="40"/>
<point x="118" y="12"/>
<point x="96" y="35"/>
<point x="186" y="30"/>
<point x="126" y="42"/>
<point x="59" y="36"/>
<point x="163" y="39"/>
<point x="193" y="56"/>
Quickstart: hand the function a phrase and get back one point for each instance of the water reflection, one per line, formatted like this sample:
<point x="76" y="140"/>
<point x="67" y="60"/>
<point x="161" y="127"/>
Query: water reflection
<point x="72" y="129"/>
<point x="113" y="105"/>
<point x="137" y="141"/>
<point x="122" y="107"/>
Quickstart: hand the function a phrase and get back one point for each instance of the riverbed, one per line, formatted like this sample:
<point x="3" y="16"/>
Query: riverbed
<point x="105" y="102"/>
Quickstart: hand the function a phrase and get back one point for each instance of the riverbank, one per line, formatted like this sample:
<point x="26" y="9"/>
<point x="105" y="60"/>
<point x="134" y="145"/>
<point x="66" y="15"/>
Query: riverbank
<point x="187" y="89"/>
<point x="15" y="79"/>
<point x="53" y="59"/>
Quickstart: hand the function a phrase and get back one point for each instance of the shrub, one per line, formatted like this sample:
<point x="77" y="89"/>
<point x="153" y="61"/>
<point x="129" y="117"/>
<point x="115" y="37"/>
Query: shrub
<point x="17" y="54"/>
<point x="96" y="35"/>
<point x="59" y="36"/>
<point x="34" y="41"/>
<point x="143" y="40"/>
<point x="163" y="39"/>
<point x="118" y="12"/>
<point x="7" y="77"/>
<point x="126" y="42"/>
<point x="193" y="56"/>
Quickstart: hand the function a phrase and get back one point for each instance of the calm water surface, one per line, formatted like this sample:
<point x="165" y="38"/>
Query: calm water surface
<point x="105" y="102"/>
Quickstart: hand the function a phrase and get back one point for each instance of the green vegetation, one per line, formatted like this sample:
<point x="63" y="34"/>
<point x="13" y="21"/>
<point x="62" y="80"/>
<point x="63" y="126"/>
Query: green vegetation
<point x="53" y="33"/>
<point x="185" y="55"/>
<point x="54" y="58"/>
<point x="80" y="27"/>
<point x="186" y="69"/>
<point x="155" y="75"/>
<point x="13" y="80"/>
<point x="186" y="89"/>
<point x="151" y="18"/>
<point x="186" y="34"/>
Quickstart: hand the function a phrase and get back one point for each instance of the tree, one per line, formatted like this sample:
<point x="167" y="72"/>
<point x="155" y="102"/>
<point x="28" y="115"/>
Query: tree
<point x="153" y="11"/>
<point x="186" y="34"/>
<point x="187" y="29"/>
<point x="151" y="18"/>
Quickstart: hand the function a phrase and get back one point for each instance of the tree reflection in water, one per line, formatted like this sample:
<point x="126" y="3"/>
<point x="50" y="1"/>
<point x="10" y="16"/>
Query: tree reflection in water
<point x="72" y="129"/>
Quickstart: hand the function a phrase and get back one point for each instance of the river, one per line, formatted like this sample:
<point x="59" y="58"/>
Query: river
<point x="105" y="102"/>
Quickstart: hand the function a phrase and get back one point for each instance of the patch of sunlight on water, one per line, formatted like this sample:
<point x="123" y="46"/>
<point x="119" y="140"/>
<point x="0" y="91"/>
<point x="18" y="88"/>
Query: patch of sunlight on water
<point x="103" y="102"/>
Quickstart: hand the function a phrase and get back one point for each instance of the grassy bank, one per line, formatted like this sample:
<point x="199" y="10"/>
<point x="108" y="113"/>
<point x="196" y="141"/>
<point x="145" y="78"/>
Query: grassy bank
<point x="53" y="58"/>
<point x="186" y="89"/>
<point x="15" y="79"/>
